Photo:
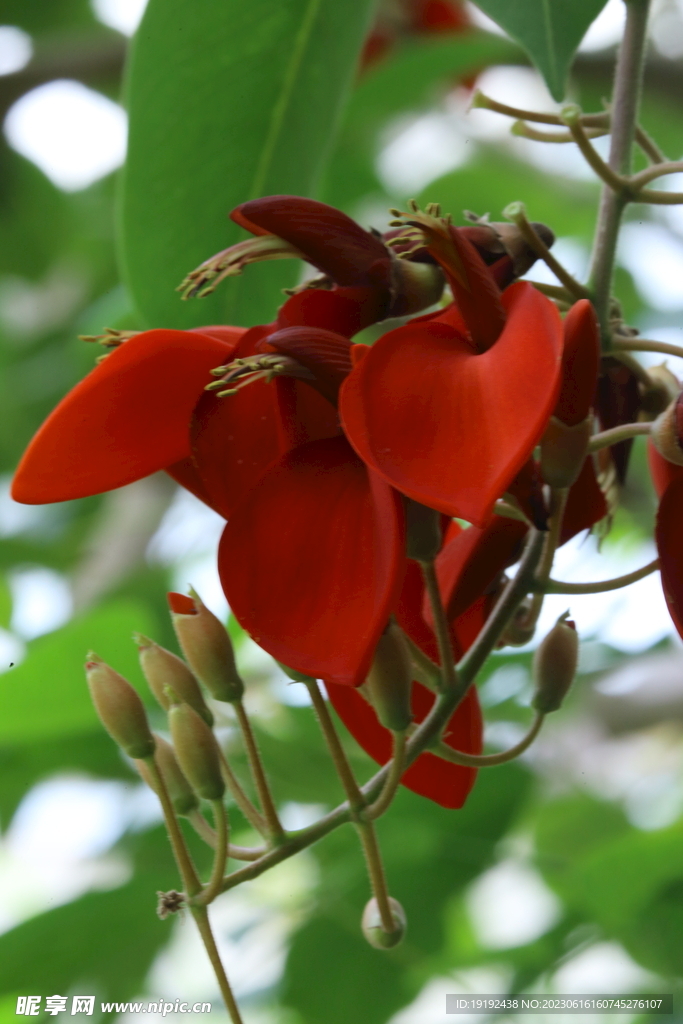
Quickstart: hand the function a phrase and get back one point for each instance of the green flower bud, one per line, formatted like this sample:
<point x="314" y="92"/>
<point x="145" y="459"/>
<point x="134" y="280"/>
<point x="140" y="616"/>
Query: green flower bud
<point x="197" y="751"/>
<point x="206" y="646"/>
<point x="389" y="684"/>
<point x="119" y="707"/>
<point x="554" y="665"/>
<point x="371" y="924"/>
<point x="182" y="796"/>
<point x="563" y="451"/>
<point x="162" y="669"/>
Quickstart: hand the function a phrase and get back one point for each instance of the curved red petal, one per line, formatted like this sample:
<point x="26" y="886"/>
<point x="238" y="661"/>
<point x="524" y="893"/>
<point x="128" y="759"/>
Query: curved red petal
<point x="445" y="783"/>
<point x="580" y="364"/>
<point x="669" y="538"/>
<point x="128" y="418"/>
<point x="342" y="310"/>
<point x="326" y="354"/>
<point x="450" y="428"/>
<point x="333" y="242"/>
<point x="221" y="332"/>
<point x="187" y="475"/>
<point x="312" y="560"/>
<point x="662" y="471"/>
<point x="586" y="504"/>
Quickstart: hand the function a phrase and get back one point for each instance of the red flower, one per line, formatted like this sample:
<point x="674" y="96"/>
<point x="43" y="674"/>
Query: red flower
<point x="449" y="407"/>
<point x="668" y="480"/>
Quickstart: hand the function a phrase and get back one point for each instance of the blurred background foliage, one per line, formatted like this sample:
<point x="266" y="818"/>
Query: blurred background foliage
<point x="563" y="872"/>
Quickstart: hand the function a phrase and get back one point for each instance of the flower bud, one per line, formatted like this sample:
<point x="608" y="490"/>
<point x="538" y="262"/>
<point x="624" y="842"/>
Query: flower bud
<point x="667" y="432"/>
<point x="423" y="531"/>
<point x="120" y="709"/>
<point x="206" y="645"/>
<point x="182" y="796"/>
<point x="389" y="684"/>
<point x="371" y="924"/>
<point x="163" y="669"/>
<point x="415" y="286"/>
<point x="664" y="387"/>
<point x="197" y="751"/>
<point x="563" y="451"/>
<point x="554" y="665"/>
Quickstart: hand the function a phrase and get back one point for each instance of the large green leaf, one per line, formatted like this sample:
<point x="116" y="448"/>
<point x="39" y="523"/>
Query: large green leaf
<point x="549" y="30"/>
<point x="46" y="695"/>
<point x="228" y="101"/>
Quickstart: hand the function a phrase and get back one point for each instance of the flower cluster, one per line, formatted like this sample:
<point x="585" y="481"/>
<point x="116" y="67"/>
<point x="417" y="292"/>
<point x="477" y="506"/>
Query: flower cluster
<point x="341" y="468"/>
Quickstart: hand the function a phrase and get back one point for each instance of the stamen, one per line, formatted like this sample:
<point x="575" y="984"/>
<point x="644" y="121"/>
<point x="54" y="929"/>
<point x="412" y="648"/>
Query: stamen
<point x="258" y="367"/>
<point x="230" y="262"/>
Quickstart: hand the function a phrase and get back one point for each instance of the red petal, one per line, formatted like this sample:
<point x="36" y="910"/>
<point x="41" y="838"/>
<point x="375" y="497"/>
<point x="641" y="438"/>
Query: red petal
<point x="128" y="418"/>
<point x="333" y="242"/>
<point x="669" y="537"/>
<point x="586" y="504"/>
<point x="342" y="311"/>
<point x="580" y="363"/>
<point x="312" y="560"/>
<point x="662" y="471"/>
<point x="187" y="475"/>
<point x="230" y="335"/>
<point x="325" y="353"/>
<point x="450" y="428"/>
<point x="618" y="401"/>
<point x="447" y="784"/>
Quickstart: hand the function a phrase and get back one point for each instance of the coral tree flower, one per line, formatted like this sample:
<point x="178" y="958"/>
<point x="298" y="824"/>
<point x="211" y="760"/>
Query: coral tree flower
<point x="449" y="407"/>
<point x="667" y="477"/>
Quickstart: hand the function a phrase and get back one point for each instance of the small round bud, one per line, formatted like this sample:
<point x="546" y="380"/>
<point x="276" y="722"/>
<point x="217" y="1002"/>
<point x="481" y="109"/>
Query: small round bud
<point x="163" y="669"/>
<point x="182" y="796"/>
<point x="563" y="451"/>
<point x="197" y="751"/>
<point x="389" y="683"/>
<point x="371" y="924"/>
<point x="120" y="709"/>
<point x="554" y="665"/>
<point x="206" y="645"/>
<point x="667" y="432"/>
<point x="424" y="537"/>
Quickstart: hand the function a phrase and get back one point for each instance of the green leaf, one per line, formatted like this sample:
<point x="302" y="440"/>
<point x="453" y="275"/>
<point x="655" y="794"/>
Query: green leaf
<point x="549" y="30"/>
<point x="228" y="101"/>
<point x="46" y="695"/>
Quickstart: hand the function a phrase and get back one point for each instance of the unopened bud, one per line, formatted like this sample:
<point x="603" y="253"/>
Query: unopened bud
<point x="120" y="709"/>
<point x="197" y="751"/>
<point x="181" y="793"/>
<point x="371" y="924"/>
<point x="554" y="665"/>
<point x="163" y="669"/>
<point x="663" y="389"/>
<point x="389" y="683"/>
<point x="423" y="531"/>
<point x="563" y="451"/>
<point x="667" y="432"/>
<point x="206" y="645"/>
<point x="415" y="286"/>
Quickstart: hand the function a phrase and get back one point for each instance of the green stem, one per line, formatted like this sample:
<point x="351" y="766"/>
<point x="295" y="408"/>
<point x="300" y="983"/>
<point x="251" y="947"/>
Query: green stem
<point x="240" y="797"/>
<point x="258" y="774"/>
<point x="378" y="881"/>
<point x="601" y="586"/>
<point x="644" y="345"/>
<point x="657" y="171"/>
<point x="396" y="769"/>
<point x="213" y="889"/>
<point x="202" y="920"/>
<point x="442" y="750"/>
<point x="558" y="503"/>
<point x="516" y="212"/>
<point x="623" y="120"/>
<point x="449" y="679"/>
<point x="617" y="434"/>
<point x="187" y="870"/>
<point x="425" y="670"/>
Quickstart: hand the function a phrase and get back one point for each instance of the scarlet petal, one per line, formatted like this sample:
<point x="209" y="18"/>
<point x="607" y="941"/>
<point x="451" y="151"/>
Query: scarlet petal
<point x="221" y="332"/>
<point x="662" y="471"/>
<point x="312" y="560"/>
<point x="186" y="474"/>
<point x="128" y="418"/>
<point x="445" y="783"/>
<point x="339" y="311"/>
<point x="450" y="428"/>
<point x="669" y="537"/>
<point x="586" y="504"/>
<point x="580" y="362"/>
<point x="332" y="241"/>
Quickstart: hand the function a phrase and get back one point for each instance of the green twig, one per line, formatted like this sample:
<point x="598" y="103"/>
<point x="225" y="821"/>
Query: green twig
<point x="442" y="750"/>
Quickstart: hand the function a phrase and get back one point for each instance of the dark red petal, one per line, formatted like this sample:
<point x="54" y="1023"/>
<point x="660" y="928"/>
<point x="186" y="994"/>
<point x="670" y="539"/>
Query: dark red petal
<point x="341" y="311"/>
<point x="186" y="474"/>
<point x="450" y="428"/>
<point x="312" y="560"/>
<point x="128" y="418"/>
<point x="326" y="354"/>
<point x="472" y="560"/>
<point x="332" y="242"/>
<point x="618" y="401"/>
<point x="669" y="537"/>
<point x="662" y="471"/>
<point x="580" y="363"/>
<point x="586" y="504"/>
<point x="527" y="489"/>
<point x="447" y="784"/>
